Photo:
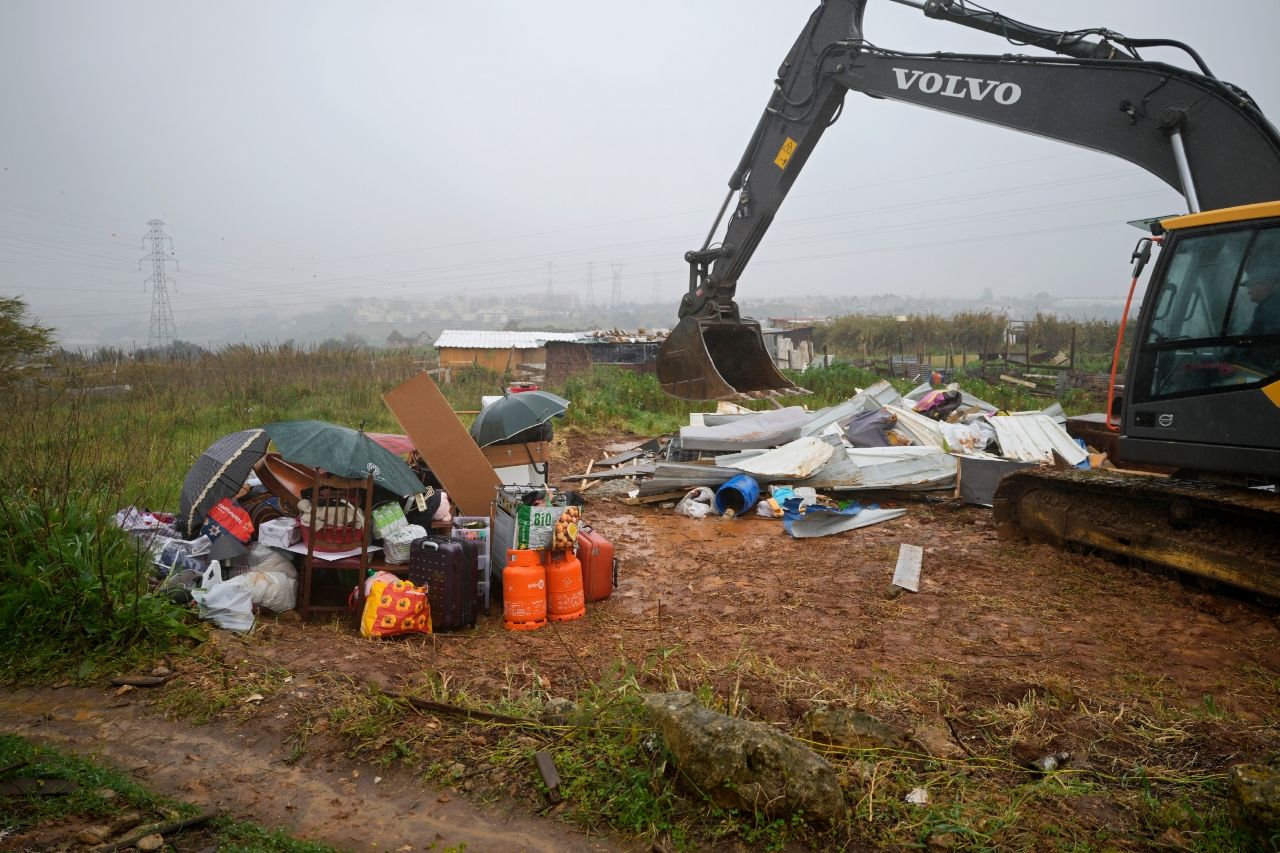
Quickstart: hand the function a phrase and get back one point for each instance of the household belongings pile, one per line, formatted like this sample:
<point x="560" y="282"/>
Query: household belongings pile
<point x="550" y="564"/>
<point x="247" y="514"/>
<point x="806" y="467"/>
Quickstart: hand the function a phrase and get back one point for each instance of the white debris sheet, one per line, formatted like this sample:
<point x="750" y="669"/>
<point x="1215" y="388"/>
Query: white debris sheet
<point x="872" y="399"/>
<point x="1034" y="438"/>
<point x="796" y="460"/>
<point x="910" y="468"/>
<point x="766" y="429"/>
<point x="907" y="573"/>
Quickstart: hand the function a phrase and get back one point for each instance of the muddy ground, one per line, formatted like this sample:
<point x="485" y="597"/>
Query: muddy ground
<point x="1008" y="649"/>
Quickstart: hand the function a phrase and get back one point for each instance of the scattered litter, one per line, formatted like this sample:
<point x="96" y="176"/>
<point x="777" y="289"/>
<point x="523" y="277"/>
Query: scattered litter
<point x="1051" y="762"/>
<point x="907" y="573"/>
<point x="918" y="797"/>
<point x="823" y="521"/>
<point x="697" y="503"/>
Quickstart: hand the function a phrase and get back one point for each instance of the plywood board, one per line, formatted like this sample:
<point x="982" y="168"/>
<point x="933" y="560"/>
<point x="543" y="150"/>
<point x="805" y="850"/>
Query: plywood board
<point x="453" y="456"/>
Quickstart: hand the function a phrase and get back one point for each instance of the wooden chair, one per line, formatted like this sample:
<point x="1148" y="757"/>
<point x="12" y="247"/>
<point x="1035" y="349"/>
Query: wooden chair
<point x="341" y="496"/>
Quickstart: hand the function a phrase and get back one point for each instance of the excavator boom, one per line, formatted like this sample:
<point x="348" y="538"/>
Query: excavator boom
<point x="1202" y="136"/>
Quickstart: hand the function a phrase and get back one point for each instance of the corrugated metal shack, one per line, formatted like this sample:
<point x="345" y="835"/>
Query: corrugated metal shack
<point x="501" y="352"/>
<point x="790" y="347"/>
<point x="566" y="358"/>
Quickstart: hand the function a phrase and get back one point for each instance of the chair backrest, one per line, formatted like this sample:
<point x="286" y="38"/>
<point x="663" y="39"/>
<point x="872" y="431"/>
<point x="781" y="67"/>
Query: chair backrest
<point x="342" y="502"/>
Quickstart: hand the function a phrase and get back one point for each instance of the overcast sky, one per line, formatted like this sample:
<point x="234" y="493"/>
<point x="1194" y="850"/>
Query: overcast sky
<point x="305" y="152"/>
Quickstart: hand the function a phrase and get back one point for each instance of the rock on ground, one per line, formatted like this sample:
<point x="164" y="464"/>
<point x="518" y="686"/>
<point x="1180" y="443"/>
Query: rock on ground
<point x="747" y="765"/>
<point x="851" y="728"/>
<point x="1255" y="799"/>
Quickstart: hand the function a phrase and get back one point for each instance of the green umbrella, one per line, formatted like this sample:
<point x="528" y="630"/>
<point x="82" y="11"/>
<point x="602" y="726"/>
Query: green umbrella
<point x="343" y="451"/>
<point x="514" y="414"/>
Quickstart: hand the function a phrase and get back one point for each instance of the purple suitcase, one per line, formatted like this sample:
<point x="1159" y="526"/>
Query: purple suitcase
<point x="449" y="573"/>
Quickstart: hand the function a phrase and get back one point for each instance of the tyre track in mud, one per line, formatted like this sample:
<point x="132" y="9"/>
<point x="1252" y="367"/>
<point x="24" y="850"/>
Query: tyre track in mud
<point x="231" y="770"/>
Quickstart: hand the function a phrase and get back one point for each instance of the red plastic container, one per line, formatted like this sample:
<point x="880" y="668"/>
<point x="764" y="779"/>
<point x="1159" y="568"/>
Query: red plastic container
<point x="518" y="387"/>
<point x="599" y="565"/>
<point x="332" y="539"/>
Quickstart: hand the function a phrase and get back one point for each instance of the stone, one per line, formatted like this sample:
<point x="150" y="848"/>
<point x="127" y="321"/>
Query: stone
<point x="743" y="764"/>
<point x="558" y="711"/>
<point x="93" y="835"/>
<point x="851" y="728"/>
<point x="1254" y="797"/>
<point x="150" y="843"/>
<point x="123" y="822"/>
<point x="936" y="739"/>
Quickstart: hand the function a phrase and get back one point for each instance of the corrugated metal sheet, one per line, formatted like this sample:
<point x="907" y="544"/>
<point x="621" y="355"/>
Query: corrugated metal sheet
<point x="485" y="339"/>
<point x="1034" y="438"/>
<point x="795" y="460"/>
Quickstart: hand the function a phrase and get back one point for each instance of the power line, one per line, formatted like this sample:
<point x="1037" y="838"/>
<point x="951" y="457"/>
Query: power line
<point x="162" y="326"/>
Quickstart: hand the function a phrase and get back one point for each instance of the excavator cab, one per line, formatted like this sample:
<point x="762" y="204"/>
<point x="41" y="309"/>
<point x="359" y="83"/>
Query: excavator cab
<point x="715" y="359"/>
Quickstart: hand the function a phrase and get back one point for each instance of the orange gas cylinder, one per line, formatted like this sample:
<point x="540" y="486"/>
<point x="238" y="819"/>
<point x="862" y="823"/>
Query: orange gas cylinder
<point x="565" y="598"/>
<point x="524" y="591"/>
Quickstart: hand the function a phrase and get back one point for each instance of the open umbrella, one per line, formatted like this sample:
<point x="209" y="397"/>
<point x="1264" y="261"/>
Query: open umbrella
<point x="219" y="473"/>
<point x="343" y="451"/>
<point x="514" y="414"/>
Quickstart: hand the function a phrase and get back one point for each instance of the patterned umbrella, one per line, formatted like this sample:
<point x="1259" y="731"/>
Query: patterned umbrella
<point x="219" y="473"/>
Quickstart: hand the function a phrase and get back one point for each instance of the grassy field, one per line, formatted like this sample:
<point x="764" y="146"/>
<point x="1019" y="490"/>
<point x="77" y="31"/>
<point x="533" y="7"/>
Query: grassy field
<point x="78" y="446"/>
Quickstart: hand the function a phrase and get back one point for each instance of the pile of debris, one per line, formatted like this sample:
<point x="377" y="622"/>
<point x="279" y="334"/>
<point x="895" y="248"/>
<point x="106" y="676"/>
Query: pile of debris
<point x="791" y="462"/>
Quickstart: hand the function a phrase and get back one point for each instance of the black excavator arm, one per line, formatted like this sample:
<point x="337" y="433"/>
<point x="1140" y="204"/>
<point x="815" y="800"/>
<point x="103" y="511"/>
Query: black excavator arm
<point x="1202" y="136"/>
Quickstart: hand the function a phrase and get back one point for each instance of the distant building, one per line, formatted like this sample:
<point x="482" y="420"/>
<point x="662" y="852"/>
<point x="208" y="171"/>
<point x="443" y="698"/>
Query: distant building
<point x="790" y="348"/>
<point x="500" y="352"/>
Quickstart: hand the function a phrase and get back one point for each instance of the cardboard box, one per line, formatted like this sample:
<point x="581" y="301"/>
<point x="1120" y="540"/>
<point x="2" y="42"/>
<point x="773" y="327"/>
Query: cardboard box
<point x="279" y="532"/>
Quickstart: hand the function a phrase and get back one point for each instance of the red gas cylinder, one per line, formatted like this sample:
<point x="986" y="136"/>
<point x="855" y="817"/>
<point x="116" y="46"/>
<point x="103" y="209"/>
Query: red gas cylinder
<point x="565" y="599"/>
<point x="524" y="591"/>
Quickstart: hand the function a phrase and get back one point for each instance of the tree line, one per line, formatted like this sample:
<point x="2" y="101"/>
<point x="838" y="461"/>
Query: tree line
<point x="979" y="332"/>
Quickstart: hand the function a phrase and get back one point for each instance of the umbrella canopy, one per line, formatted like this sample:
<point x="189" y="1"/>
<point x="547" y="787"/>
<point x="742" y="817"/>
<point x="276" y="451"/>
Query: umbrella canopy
<point x="219" y="473"/>
<point x="343" y="451"/>
<point x="514" y="414"/>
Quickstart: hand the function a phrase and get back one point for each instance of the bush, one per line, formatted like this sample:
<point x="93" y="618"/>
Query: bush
<point x="73" y="592"/>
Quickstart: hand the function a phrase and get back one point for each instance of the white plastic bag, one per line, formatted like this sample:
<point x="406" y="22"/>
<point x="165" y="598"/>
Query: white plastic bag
<point x="275" y="591"/>
<point x="697" y="503"/>
<point x="228" y="605"/>
<point x="264" y="558"/>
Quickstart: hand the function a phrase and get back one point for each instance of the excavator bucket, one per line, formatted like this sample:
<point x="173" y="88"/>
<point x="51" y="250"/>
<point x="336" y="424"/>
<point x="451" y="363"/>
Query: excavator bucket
<point x="718" y="360"/>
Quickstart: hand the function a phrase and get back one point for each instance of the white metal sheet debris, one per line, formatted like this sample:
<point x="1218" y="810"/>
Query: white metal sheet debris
<point x="877" y="396"/>
<point x="796" y="460"/>
<point x="911" y="468"/>
<point x="766" y="429"/>
<point x="921" y="430"/>
<point x="907" y="573"/>
<point x="1034" y="438"/>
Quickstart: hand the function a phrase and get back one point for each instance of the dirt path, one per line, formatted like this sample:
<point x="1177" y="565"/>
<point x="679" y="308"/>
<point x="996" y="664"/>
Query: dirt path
<point x="234" y="770"/>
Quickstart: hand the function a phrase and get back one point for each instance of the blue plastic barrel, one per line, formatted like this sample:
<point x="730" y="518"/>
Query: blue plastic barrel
<point x="739" y="494"/>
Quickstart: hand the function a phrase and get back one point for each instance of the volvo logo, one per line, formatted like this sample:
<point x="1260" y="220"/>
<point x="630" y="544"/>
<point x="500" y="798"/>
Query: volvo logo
<point x="1165" y="420"/>
<point x="955" y="86"/>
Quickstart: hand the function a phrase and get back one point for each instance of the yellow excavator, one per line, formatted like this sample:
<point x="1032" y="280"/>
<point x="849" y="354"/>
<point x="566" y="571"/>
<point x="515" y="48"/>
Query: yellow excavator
<point x="1202" y="385"/>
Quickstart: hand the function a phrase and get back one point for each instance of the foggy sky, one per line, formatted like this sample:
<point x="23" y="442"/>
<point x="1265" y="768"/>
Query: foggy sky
<point x="302" y="153"/>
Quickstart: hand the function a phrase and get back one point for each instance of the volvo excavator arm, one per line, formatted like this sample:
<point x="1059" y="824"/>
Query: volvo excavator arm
<point x="1202" y="136"/>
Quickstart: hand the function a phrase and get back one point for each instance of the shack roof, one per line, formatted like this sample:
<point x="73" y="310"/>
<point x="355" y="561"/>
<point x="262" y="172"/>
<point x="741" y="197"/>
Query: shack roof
<point x="485" y="339"/>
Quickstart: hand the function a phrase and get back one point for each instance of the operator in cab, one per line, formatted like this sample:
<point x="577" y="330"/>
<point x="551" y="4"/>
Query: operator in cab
<point x="1264" y="293"/>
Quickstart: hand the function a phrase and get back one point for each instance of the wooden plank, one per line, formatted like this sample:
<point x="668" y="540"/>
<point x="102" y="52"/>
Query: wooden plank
<point x="907" y="572"/>
<point x="453" y="456"/>
<point x="1016" y="381"/>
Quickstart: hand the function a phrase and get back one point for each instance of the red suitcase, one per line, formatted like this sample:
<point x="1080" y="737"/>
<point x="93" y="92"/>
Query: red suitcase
<point x="599" y="565"/>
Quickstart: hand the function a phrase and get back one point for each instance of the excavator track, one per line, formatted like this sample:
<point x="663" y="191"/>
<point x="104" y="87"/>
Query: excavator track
<point x="1222" y="533"/>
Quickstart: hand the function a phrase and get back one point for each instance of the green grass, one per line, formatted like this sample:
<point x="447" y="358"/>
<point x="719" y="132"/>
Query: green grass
<point x="104" y="793"/>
